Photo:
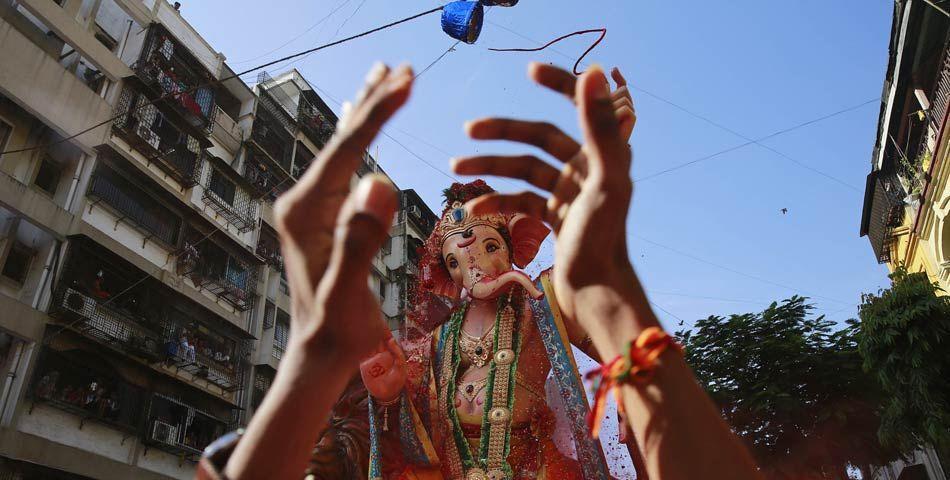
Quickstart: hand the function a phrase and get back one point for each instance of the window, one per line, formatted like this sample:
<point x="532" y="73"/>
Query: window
<point x="281" y="334"/>
<point x="269" y="311"/>
<point x="18" y="262"/>
<point x="5" y="131"/>
<point x="382" y="289"/>
<point x="105" y="39"/>
<point x="221" y="186"/>
<point x="48" y="176"/>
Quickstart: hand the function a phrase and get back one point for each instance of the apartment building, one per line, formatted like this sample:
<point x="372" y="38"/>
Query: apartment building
<point x="143" y="304"/>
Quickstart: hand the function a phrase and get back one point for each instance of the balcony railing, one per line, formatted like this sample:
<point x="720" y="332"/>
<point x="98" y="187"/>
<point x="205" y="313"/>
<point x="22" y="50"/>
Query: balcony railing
<point x="123" y="198"/>
<point x="170" y="71"/>
<point x="273" y="140"/>
<point x="66" y="384"/>
<point x="268" y="181"/>
<point x="180" y="428"/>
<point x="223" y="371"/>
<point x="240" y="211"/>
<point x="210" y="268"/>
<point x="150" y="132"/>
<point x="887" y="210"/>
<point x="268" y="248"/>
<point x="101" y="321"/>
<point x="313" y="123"/>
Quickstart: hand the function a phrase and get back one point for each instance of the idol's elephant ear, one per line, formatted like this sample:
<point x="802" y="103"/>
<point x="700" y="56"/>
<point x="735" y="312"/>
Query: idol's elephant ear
<point x="527" y="234"/>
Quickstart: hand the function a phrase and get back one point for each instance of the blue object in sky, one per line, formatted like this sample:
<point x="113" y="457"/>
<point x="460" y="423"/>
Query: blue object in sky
<point x="462" y="20"/>
<point x="500" y="3"/>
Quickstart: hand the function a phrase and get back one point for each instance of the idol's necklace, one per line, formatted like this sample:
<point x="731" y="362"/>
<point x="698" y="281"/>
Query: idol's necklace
<point x="477" y="349"/>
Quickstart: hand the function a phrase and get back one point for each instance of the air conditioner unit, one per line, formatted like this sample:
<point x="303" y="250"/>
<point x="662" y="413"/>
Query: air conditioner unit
<point x="414" y="210"/>
<point x="74" y="301"/>
<point x="146" y="134"/>
<point x="165" y="433"/>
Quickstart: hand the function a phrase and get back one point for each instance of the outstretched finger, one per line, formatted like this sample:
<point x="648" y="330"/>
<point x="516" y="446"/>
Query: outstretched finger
<point x="523" y="167"/>
<point x="361" y="229"/>
<point x="543" y="135"/>
<point x="618" y="77"/>
<point x="528" y="203"/>
<point x="334" y="167"/>
<point x="555" y="78"/>
<point x="608" y="154"/>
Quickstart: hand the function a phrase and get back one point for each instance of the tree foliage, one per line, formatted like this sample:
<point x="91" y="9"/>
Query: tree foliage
<point x="791" y="387"/>
<point x="906" y="348"/>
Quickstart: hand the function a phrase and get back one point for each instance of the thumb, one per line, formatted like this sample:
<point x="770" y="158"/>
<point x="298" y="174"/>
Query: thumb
<point x="361" y="229"/>
<point x="608" y="154"/>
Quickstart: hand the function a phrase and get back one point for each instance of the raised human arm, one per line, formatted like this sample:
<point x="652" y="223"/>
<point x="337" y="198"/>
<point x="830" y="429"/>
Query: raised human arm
<point x="328" y="237"/>
<point x="678" y="428"/>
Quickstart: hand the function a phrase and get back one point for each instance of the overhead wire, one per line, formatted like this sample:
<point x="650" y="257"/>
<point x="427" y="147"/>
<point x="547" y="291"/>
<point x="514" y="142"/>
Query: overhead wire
<point x="749" y="140"/>
<point x="739" y="272"/>
<point x="288" y="42"/>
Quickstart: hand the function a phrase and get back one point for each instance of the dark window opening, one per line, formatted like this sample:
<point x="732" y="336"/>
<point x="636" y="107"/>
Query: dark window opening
<point x="222" y="187"/>
<point x="48" y="176"/>
<point x="18" y="262"/>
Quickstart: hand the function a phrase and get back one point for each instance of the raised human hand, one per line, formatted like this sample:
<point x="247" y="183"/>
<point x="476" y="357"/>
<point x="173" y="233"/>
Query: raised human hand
<point x="589" y="195"/>
<point x="329" y="235"/>
<point x="384" y="372"/>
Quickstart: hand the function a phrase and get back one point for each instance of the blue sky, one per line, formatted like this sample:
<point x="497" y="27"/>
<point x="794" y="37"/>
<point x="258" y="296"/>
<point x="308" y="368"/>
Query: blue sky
<point x="706" y="239"/>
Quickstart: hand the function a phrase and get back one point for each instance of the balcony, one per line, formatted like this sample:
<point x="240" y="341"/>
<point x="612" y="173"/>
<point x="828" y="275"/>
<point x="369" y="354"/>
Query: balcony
<point x="226" y="131"/>
<point x="887" y="211"/>
<point x="314" y="124"/>
<point x="170" y="72"/>
<point x="220" y="363"/>
<point x="213" y="269"/>
<point x="267" y="181"/>
<point x="273" y="131"/>
<point x="76" y="382"/>
<point x="151" y="133"/>
<point x="268" y="248"/>
<point x="229" y="201"/>
<point x="179" y="428"/>
<point x="91" y="314"/>
<point x="129" y="202"/>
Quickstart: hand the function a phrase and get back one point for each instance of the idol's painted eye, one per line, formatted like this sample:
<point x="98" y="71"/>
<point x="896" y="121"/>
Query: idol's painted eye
<point x="491" y="248"/>
<point x="453" y="264"/>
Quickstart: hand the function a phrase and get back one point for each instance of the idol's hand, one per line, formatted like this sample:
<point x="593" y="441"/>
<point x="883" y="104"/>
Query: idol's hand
<point x="590" y="194"/>
<point x="384" y="373"/>
<point x="329" y="235"/>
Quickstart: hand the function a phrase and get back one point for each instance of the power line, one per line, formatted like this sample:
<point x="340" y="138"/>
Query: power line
<point x="397" y="142"/>
<point x="292" y="40"/>
<point x="666" y="311"/>
<point x="750" y="141"/>
<point x="738" y="272"/>
<point x="756" y="141"/>
<point x="437" y="60"/>
<point x="706" y="297"/>
<point x="347" y="20"/>
<point x="237" y="75"/>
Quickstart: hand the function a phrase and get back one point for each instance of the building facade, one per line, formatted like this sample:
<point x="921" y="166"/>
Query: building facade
<point x="144" y="308"/>
<point x="906" y="199"/>
<point x="907" y="202"/>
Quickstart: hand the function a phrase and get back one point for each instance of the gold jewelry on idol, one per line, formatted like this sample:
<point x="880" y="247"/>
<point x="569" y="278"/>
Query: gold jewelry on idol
<point x="477" y="349"/>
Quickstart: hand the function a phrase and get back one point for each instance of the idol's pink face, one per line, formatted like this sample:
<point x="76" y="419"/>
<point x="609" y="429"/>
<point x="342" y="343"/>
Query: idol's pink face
<point x="478" y="254"/>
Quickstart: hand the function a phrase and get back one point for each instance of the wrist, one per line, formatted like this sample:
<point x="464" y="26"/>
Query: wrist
<point x="614" y="313"/>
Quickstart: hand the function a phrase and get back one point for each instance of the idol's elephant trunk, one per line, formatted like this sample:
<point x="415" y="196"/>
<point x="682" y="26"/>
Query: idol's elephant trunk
<point x="492" y="287"/>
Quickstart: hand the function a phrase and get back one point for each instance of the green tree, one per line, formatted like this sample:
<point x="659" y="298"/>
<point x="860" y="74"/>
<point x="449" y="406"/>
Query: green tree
<point x="905" y="346"/>
<point x="791" y="387"/>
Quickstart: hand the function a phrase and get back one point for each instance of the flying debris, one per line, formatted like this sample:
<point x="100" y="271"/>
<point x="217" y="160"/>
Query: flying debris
<point x="784" y="211"/>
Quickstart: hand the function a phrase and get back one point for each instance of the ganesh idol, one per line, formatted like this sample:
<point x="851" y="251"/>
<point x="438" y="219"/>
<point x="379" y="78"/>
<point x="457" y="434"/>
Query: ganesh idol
<point x="485" y="384"/>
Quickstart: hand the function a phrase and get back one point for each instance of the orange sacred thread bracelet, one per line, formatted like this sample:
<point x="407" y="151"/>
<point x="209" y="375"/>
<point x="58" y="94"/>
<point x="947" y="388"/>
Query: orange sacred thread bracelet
<point x="636" y="365"/>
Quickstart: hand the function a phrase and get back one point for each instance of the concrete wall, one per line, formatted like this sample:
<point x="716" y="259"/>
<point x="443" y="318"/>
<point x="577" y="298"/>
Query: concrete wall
<point x="39" y="84"/>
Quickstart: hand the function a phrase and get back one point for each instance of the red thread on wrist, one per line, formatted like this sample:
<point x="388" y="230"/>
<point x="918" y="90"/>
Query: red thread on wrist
<point x="635" y="366"/>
